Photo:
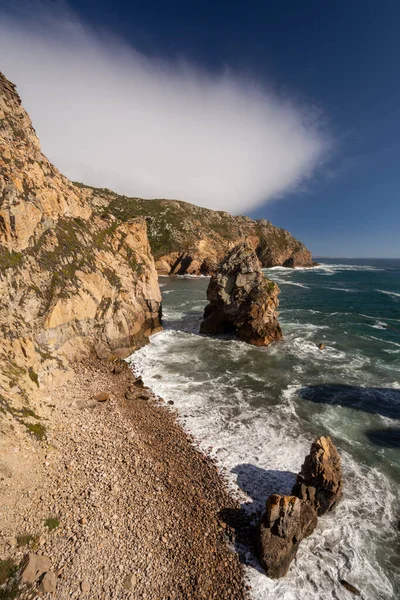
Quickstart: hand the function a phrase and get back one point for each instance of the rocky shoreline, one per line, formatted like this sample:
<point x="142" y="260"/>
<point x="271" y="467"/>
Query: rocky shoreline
<point x="125" y="505"/>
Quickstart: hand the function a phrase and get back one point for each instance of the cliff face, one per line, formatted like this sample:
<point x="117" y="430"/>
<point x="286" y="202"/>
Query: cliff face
<point x="71" y="281"/>
<point x="189" y="239"/>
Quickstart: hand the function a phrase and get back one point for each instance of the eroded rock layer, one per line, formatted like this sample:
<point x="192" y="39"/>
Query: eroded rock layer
<point x="242" y="300"/>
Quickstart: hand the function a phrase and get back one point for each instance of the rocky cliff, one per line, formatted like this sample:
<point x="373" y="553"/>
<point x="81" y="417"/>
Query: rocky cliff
<point x="189" y="239"/>
<point x="71" y="281"/>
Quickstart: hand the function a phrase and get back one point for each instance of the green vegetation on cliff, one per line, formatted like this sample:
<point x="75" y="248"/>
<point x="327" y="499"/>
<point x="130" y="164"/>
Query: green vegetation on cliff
<point x="189" y="238"/>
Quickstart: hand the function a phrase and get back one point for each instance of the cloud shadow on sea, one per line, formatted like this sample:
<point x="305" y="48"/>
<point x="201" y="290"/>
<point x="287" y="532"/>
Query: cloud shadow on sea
<point x="377" y="401"/>
<point x="258" y="484"/>
<point x="388" y="437"/>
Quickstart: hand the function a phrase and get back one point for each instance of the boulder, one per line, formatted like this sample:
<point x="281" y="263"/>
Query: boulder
<point x="129" y="582"/>
<point x="49" y="583"/>
<point x="320" y="480"/>
<point x="350" y="588"/>
<point x="286" y="521"/>
<point x="34" y="566"/>
<point x="242" y="300"/>
<point x="102" y="397"/>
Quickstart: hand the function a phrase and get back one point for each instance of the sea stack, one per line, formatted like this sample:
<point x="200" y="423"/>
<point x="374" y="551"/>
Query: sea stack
<point x="242" y="300"/>
<point x="287" y="520"/>
<point x="320" y="480"/>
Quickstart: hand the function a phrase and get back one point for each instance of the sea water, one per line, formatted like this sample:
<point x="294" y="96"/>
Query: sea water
<point x="260" y="409"/>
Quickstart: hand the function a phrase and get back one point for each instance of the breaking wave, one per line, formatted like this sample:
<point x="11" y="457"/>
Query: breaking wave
<point x="394" y="294"/>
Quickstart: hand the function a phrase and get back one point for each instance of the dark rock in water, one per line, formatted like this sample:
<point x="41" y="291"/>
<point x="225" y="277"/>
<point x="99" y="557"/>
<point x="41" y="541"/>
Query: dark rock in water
<point x="320" y="480"/>
<point x="242" y="300"/>
<point x="350" y="587"/>
<point x="286" y="521"/>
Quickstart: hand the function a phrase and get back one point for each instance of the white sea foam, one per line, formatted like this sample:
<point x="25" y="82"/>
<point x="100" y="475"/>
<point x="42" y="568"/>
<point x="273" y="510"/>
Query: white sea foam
<point x="187" y="276"/>
<point x="261" y="447"/>
<point x="378" y="325"/>
<point x="373" y="318"/>
<point x="325" y="269"/>
<point x="371" y="337"/>
<point x="338" y="289"/>
<point x="393" y="294"/>
<point x="283" y="282"/>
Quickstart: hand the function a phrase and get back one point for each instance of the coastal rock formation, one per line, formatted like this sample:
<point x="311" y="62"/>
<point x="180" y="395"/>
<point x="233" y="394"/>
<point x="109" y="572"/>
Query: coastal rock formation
<point x="72" y="281"/>
<point x="242" y="300"/>
<point x="188" y="239"/>
<point x="287" y="520"/>
<point x="319" y="482"/>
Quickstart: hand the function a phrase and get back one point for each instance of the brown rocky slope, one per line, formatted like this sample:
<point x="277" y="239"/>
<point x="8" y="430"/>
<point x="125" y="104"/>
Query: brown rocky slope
<point x="188" y="239"/>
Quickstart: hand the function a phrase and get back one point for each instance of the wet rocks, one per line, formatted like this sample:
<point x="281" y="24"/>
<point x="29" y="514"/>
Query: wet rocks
<point x="138" y="382"/>
<point x="320" y="480"/>
<point x="289" y="519"/>
<point x="349" y="587"/>
<point x="242" y="300"/>
<point x="286" y="521"/>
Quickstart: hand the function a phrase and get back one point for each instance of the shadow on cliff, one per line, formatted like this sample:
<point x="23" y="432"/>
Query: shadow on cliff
<point x="258" y="484"/>
<point x="377" y="401"/>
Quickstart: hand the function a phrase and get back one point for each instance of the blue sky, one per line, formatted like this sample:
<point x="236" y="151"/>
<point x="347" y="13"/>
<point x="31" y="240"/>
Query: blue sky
<point x="339" y="58"/>
<point x="342" y="56"/>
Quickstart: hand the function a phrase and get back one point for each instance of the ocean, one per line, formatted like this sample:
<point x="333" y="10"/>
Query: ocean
<point x="259" y="409"/>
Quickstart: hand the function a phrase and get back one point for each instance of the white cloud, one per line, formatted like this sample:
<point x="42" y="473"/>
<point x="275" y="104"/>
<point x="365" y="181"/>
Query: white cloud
<point x="110" y="117"/>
